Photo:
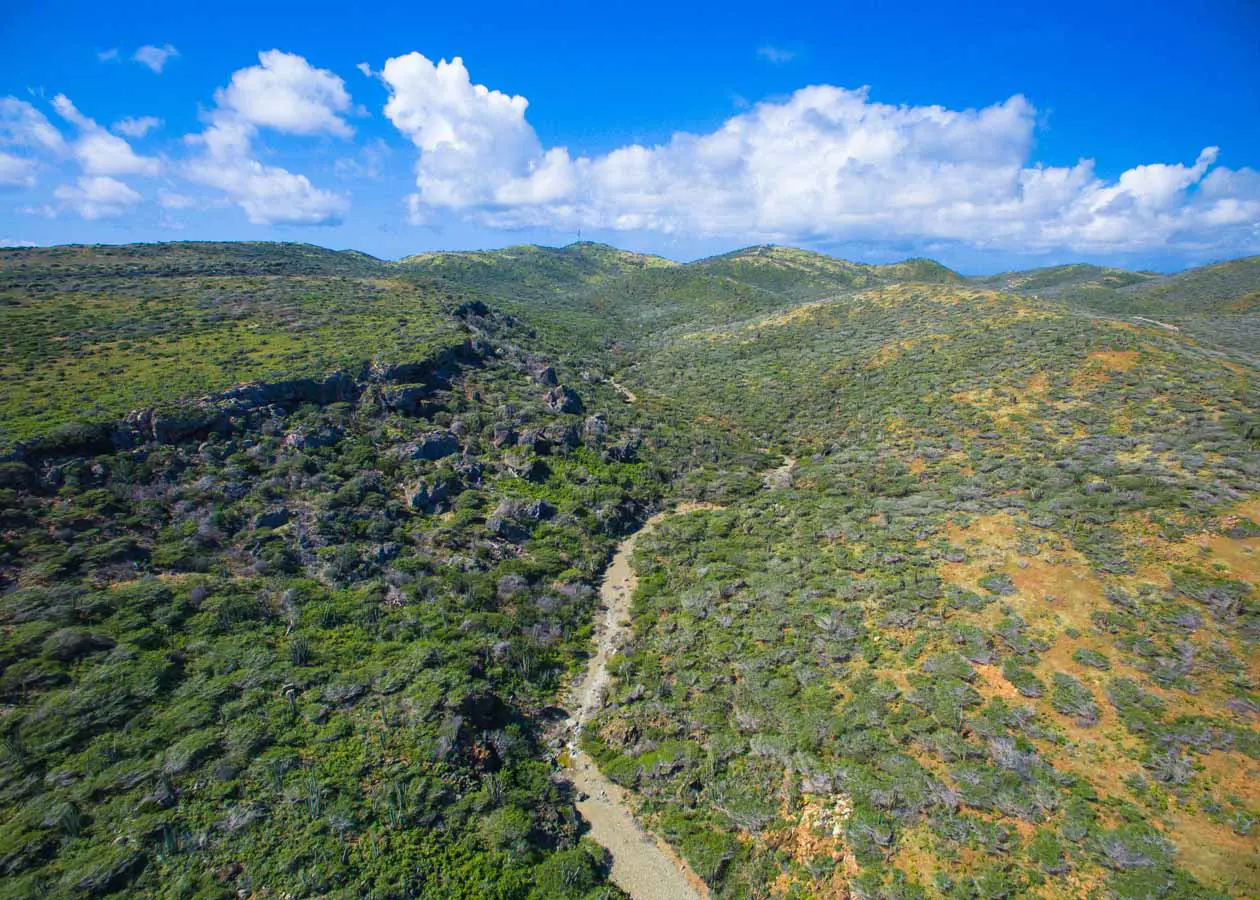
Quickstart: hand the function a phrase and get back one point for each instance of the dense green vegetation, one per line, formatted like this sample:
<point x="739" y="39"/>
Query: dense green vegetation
<point x="993" y="635"/>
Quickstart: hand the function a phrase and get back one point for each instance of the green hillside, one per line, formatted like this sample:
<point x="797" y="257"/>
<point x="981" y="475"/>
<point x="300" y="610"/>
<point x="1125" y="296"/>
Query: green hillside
<point x="300" y="553"/>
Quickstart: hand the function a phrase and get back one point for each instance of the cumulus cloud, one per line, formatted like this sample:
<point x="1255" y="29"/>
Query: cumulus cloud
<point x="825" y="163"/>
<point x="155" y="57"/>
<point x="97" y="197"/>
<point x="137" y="126"/>
<point x="98" y="151"/>
<point x="285" y="94"/>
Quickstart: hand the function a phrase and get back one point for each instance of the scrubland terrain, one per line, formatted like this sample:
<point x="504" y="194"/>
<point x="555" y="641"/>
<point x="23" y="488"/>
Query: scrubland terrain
<point x="300" y="555"/>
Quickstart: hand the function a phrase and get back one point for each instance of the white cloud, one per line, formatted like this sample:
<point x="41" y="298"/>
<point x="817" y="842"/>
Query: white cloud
<point x="137" y="126"/>
<point x="825" y="163"/>
<point x="22" y="125"/>
<point x="461" y="130"/>
<point x="110" y="55"/>
<point x="16" y="171"/>
<point x="98" y="151"/>
<point x="155" y="57"/>
<point x="16" y="242"/>
<point x="776" y="55"/>
<point x="97" y="197"/>
<point x="286" y="94"/>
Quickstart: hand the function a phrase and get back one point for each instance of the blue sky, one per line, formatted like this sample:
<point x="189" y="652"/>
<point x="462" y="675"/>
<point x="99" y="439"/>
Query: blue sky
<point x="980" y="134"/>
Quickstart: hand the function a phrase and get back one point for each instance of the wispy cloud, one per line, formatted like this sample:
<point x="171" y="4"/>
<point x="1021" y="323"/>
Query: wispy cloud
<point x="137" y="126"/>
<point x="776" y="55"/>
<point x="110" y="55"/>
<point x="155" y="57"/>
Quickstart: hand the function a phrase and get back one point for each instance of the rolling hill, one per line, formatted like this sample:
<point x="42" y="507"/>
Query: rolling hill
<point x="952" y="588"/>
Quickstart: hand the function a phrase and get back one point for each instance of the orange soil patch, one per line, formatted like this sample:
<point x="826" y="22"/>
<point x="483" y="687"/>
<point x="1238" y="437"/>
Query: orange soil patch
<point x="1115" y="360"/>
<point x="1214" y="854"/>
<point x="990" y="683"/>
<point x="819" y="832"/>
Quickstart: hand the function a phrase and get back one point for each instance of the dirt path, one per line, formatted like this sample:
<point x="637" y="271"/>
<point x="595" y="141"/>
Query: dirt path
<point x="623" y="390"/>
<point x="780" y="476"/>
<point x="642" y="866"/>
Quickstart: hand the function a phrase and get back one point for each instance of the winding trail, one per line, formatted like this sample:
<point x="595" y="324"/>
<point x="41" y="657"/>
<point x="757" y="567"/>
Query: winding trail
<point x="625" y="392"/>
<point x="643" y="866"/>
<point x="779" y="477"/>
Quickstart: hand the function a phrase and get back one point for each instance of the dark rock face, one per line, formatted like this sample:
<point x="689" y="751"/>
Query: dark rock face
<point x="69" y="644"/>
<point x="272" y="518"/>
<point x="325" y="436"/>
<point x="250" y="404"/>
<point x="564" y="437"/>
<point x="434" y="445"/>
<point x="502" y="434"/>
<point x="507" y="529"/>
<point x="625" y="452"/>
<point x="546" y="376"/>
<point x="535" y="441"/>
<point x="407" y="400"/>
<point x="524" y="466"/>
<point x="513" y="519"/>
<point x="563" y="400"/>
<point x="429" y="496"/>
<point x="470" y="471"/>
<point x="527" y="511"/>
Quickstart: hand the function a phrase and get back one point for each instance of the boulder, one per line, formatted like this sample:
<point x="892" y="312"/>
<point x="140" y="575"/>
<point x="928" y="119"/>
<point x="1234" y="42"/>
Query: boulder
<point x="546" y="376"/>
<point x="407" y="400"/>
<point x="434" y="445"/>
<point x="429" y="496"/>
<point x="625" y="452"/>
<point x="507" y="529"/>
<point x="533" y="439"/>
<point x="272" y="518"/>
<point x="302" y="439"/>
<point x="562" y="436"/>
<point x="563" y="400"/>
<point x="524" y="466"/>
<point x="525" y="510"/>
<point x="502" y="434"/>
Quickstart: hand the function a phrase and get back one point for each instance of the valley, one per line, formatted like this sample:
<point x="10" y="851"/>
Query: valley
<point x="579" y="573"/>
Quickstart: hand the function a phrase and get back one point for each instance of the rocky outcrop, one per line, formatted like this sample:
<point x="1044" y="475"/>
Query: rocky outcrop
<point x="430" y="495"/>
<point x="272" y="518"/>
<point x="512" y="520"/>
<point x="502" y="435"/>
<point x="302" y="439"/>
<point x="563" y="400"/>
<point x="432" y="446"/>
<point x="250" y="404"/>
